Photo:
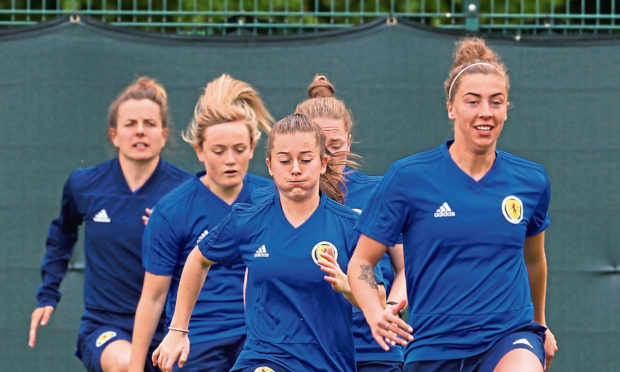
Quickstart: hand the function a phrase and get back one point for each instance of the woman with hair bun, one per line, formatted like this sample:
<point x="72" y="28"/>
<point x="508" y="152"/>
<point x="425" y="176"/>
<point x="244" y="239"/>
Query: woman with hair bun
<point x="293" y="243"/>
<point x="473" y="219"/>
<point x="110" y="199"/>
<point x="228" y="119"/>
<point x="336" y="121"/>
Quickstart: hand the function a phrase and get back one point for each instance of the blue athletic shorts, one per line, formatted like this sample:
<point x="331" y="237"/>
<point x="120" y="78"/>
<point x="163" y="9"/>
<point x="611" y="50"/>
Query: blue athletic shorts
<point x="93" y="339"/>
<point x="530" y="338"/>
<point x="379" y="366"/>
<point x="218" y="355"/>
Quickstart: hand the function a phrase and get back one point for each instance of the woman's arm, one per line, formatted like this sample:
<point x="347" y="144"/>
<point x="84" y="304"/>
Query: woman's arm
<point x="338" y="279"/>
<point x="398" y="291"/>
<point x="176" y="343"/>
<point x="61" y="238"/>
<point x="149" y="310"/>
<point x="536" y="262"/>
<point x="383" y="325"/>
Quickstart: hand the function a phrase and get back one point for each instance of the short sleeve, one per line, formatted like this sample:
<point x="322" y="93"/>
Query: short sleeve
<point x="386" y="210"/>
<point x="401" y="239"/>
<point x="221" y="245"/>
<point x="161" y="244"/>
<point x="540" y="218"/>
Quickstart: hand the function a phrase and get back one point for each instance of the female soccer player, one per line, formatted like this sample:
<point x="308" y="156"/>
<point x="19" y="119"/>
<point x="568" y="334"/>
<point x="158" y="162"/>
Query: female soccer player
<point x="336" y="121"/>
<point x="110" y="199"/>
<point x="295" y="321"/>
<point x="473" y="219"/>
<point x="224" y="133"/>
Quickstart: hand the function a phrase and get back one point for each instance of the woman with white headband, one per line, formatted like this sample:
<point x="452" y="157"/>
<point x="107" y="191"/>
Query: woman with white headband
<point x="473" y="219"/>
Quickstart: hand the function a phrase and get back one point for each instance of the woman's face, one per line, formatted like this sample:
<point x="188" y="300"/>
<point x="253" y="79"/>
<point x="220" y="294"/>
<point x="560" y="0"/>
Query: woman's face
<point x="225" y="153"/>
<point x="479" y="109"/>
<point x="296" y="165"/>
<point x="139" y="135"/>
<point x="337" y="140"/>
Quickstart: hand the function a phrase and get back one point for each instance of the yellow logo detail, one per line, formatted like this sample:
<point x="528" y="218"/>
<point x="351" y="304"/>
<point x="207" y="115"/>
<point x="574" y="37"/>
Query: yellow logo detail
<point x="263" y="369"/>
<point x="321" y="247"/>
<point x="104" y="337"/>
<point x="512" y="208"/>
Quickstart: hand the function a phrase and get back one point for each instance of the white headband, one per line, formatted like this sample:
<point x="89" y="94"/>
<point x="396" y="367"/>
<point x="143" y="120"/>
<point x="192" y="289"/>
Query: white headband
<point x="463" y="70"/>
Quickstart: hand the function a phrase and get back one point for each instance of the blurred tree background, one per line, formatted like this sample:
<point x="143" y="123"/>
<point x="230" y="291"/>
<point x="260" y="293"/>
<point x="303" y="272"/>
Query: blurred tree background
<point x="192" y="16"/>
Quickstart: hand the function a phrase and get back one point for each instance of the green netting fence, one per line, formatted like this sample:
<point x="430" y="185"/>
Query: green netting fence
<point x="275" y="17"/>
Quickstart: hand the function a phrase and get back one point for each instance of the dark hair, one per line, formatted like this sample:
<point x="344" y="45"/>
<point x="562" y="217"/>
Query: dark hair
<point x="470" y="51"/>
<point x="143" y="88"/>
<point x="330" y="181"/>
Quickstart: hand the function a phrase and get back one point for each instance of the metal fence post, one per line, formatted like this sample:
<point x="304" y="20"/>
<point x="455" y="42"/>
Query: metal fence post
<point x="472" y="13"/>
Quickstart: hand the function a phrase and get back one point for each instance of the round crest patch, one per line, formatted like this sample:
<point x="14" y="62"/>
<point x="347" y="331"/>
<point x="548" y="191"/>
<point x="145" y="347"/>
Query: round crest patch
<point x="104" y="337"/>
<point x="264" y="369"/>
<point x="512" y="208"/>
<point x="321" y="247"/>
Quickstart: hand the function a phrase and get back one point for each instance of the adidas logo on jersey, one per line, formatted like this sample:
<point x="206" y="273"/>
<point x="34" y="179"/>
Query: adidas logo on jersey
<point x="202" y="236"/>
<point x="261" y="251"/>
<point x="523" y="341"/>
<point x="444" y="211"/>
<point x="102" y="216"/>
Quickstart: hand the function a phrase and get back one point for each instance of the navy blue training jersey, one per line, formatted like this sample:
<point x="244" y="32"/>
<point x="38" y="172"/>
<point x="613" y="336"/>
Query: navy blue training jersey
<point x="359" y="188"/>
<point x="179" y="221"/>
<point x="100" y="197"/>
<point x="467" y="281"/>
<point x="294" y="318"/>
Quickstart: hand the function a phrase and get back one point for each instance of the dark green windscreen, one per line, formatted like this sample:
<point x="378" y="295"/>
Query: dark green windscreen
<point x="59" y="78"/>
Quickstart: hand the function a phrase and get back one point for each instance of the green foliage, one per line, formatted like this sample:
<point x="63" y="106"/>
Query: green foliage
<point x="282" y="16"/>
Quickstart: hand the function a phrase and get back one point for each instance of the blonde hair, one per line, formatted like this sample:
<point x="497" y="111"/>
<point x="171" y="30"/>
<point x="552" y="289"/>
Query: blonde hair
<point x="472" y="56"/>
<point x="143" y="88"/>
<point x="322" y="103"/>
<point x="225" y="100"/>
<point x="330" y="181"/>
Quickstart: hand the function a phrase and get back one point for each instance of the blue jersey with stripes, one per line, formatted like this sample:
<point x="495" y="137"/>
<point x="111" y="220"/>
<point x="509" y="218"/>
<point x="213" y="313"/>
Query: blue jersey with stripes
<point x="294" y="318"/>
<point x="179" y="221"/>
<point x="112" y="213"/>
<point x="467" y="280"/>
<point x="359" y="188"/>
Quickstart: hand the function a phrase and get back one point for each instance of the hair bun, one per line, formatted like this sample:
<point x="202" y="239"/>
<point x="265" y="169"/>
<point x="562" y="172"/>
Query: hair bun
<point x="470" y="56"/>
<point x="321" y="87"/>
<point x="148" y="83"/>
<point x="472" y="50"/>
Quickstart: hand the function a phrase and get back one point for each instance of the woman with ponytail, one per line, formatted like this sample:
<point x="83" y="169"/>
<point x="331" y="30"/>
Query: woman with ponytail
<point x="297" y="316"/>
<point x="228" y="119"/>
<point x="336" y="121"/>
<point x="473" y="219"/>
<point x="110" y="199"/>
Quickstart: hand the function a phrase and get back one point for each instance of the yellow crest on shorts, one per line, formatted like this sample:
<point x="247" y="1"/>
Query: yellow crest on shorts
<point x="321" y="247"/>
<point x="263" y="369"/>
<point x="104" y="337"/>
<point x="512" y="208"/>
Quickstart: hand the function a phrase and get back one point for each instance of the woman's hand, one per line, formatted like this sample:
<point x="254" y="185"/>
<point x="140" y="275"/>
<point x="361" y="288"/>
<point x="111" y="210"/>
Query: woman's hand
<point x="335" y="277"/>
<point x="388" y="328"/>
<point x="40" y="317"/>
<point x="551" y="346"/>
<point x="147" y="215"/>
<point x="174" y="346"/>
